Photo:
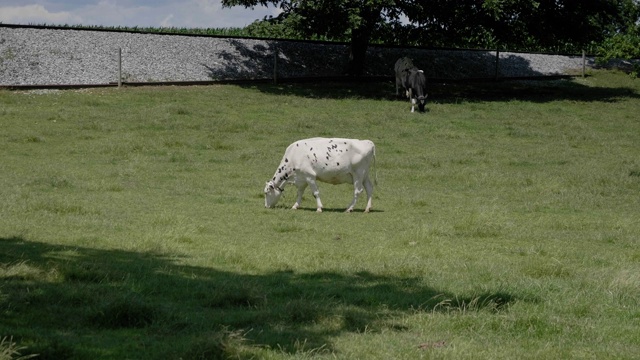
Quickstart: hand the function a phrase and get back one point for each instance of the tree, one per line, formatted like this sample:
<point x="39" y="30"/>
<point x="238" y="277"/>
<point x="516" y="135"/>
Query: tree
<point x="548" y="23"/>
<point x="354" y="20"/>
<point x="560" y="25"/>
<point x="524" y="24"/>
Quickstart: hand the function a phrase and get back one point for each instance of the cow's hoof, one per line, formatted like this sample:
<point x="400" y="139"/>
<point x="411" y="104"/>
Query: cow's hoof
<point x="294" y="207"/>
<point x="349" y="210"/>
<point x="366" y="210"/>
<point x="319" y="210"/>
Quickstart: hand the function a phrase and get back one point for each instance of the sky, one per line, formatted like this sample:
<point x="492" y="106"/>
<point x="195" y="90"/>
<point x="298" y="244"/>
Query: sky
<point x="141" y="13"/>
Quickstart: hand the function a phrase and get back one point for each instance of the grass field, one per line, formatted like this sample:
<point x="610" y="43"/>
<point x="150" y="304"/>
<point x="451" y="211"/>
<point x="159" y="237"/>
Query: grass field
<point x="506" y="224"/>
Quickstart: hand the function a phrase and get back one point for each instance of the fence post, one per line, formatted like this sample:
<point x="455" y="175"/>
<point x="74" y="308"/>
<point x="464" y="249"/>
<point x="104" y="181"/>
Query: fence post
<point x="119" y="67"/>
<point x="275" y="65"/>
<point x="497" y="64"/>
<point x="584" y="63"/>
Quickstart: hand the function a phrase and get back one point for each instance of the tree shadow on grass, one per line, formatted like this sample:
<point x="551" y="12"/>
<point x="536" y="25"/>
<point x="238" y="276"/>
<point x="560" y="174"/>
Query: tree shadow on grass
<point x="74" y="302"/>
<point x="537" y="91"/>
<point x="452" y="75"/>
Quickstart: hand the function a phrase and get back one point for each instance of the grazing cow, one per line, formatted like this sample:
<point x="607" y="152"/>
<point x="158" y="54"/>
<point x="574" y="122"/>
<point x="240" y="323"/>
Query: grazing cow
<point x="413" y="81"/>
<point x="334" y="161"/>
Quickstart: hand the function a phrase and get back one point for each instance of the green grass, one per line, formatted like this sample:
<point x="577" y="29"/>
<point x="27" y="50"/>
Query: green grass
<point x="505" y="224"/>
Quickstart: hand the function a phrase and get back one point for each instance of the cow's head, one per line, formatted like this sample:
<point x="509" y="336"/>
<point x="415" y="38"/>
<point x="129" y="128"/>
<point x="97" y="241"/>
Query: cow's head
<point x="417" y="91"/>
<point x="422" y="101"/>
<point x="272" y="194"/>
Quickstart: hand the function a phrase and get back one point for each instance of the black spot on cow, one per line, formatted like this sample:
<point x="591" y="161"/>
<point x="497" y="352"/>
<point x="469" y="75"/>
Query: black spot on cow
<point x="311" y="149"/>
<point x="327" y="158"/>
<point x="274" y="178"/>
<point x="286" y="160"/>
<point x="338" y="164"/>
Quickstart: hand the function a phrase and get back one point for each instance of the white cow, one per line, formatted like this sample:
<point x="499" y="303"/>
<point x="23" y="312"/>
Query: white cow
<point x="330" y="160"/>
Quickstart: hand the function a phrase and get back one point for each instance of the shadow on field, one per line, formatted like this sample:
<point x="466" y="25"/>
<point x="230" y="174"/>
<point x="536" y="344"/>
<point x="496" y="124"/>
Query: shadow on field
<point x="453" y="76"/>
<point x="74" y="302"/>
<point x="537" y="91"/>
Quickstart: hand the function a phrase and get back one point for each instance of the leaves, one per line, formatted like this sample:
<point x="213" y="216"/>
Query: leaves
<point x="542" y="25"/>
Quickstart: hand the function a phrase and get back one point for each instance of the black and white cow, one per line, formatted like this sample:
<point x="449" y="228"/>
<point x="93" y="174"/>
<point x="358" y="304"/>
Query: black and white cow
<point x="330" y="160"/>
<point x="413" y="81"/>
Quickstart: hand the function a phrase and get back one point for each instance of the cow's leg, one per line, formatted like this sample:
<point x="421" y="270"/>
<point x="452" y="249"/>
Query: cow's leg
<point x="369" y="187"/>
<point x="357" y="189"/>
<point x="412" y="100"/>
<point x="301" y="187"/>
<point x="316" y="193"/>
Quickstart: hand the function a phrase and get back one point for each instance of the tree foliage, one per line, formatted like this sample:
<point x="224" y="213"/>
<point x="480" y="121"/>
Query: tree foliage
<point x="538" y="25"/>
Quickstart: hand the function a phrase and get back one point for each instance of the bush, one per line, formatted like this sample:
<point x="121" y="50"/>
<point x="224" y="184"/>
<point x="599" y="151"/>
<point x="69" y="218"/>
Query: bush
<point x="621" y="46"/>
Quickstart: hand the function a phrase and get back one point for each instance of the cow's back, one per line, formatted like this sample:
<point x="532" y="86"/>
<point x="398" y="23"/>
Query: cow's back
<point x="403" y="64"/>
<point x="418" y="82"/>
<point x="330" y="158"/>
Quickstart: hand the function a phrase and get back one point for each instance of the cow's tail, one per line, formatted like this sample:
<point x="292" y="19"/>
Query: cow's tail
<point x="375" y="169"/>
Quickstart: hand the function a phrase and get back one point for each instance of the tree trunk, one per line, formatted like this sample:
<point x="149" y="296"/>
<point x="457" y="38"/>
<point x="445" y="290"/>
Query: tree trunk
<point x="360" y="38"/>
<point x="358" y="52"/>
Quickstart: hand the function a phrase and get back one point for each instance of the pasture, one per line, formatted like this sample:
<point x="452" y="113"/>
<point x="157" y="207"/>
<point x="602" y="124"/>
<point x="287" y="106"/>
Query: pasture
<point x="505" y="224"/>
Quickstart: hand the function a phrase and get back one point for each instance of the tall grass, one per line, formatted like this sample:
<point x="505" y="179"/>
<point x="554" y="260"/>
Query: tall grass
<point x="505" y="223"/>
